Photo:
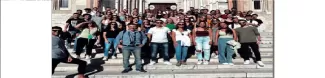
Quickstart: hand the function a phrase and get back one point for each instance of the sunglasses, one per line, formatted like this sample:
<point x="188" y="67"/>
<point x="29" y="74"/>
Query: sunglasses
<point x="180" y="24"/>
<point x="158" y="22"/>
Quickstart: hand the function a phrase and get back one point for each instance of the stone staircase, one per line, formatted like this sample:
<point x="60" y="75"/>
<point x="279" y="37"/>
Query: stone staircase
<point x="112" y="67"/>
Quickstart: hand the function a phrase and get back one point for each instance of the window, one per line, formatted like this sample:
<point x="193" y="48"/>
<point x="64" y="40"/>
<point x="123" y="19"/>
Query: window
<point x="61" y="4"/>
<point x="64" y="3"/>
<point x="257" y="4"/>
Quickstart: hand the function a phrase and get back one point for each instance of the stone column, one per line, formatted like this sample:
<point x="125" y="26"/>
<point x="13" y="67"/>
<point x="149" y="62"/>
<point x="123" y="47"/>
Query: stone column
<point x="140" y="6"/>
<point x="185" y="3"/>
<point x="240" y="5"/>
<point x="230" y="4"/>
<point x="116" y="4"/>
<point x="88" y="2"/>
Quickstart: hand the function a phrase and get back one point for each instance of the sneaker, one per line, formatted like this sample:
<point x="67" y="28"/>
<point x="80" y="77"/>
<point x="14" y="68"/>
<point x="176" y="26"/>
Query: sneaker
<point x="183" y="63"/>
<point x="199" y="62"/>
<point x="126" y="70"/>
<point x="231" y="64"/>
<point x="178" y="64"/>
<point x="167" y="63"/>
<point x="246" y="62"/>
<point x="205" y="62"/>
<point x="141" y="70"/>
<point x="260" y="63"/>
<point x="87" y="57"/>
<point x="105" y="58"/>
<point x="225" y="63"/>
<point x="152" y="63"/>
<point x="114" y="57"/>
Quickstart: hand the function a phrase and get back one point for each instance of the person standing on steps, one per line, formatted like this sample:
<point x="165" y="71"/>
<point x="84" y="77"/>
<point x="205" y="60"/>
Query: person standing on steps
<point x="182" y="40"/>
<point x="69" y="27"/>
<point x="223" y="35"/>
<point x="215" y="27"/>
<point x="203" y="41"/>
<point x="131" y="42"/>
<point x="248" y="36"/>
<point x="87" y="37"/>
<point x="158" y="37"/>
<point x="61" y="54"/>
<point x="110" y="34"/>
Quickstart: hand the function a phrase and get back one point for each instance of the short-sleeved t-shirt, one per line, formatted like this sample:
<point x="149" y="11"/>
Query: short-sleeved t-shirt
<point x="73" y="22"/>
<point x="159" y="35"/>
<point x="170" y="26"/>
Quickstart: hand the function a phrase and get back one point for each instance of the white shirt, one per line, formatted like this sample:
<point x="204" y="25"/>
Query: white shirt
<point x="93" y="13"/>
<point x="253" y="22"/>
<point x="183" y="37"/>
<point x="159" y="35"/>
<point x="163" y="19"/>
<point x="235" y="26"/>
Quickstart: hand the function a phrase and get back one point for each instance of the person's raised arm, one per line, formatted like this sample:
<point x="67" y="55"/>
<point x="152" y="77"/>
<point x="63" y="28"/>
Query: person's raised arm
<point x="79" y="25"/>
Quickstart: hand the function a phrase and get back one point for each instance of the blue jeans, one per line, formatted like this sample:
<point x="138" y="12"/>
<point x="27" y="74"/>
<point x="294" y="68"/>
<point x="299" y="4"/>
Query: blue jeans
<point x="225" y="50"/>
<point x="202" y="44"/>
<point x="181" y="51"/>
<point x="75" y="44"/>
<point x="155" y="46"/>
<point x="108" y="46"/>
<point x="69" y="40"/>
<point x="126" y="51"/>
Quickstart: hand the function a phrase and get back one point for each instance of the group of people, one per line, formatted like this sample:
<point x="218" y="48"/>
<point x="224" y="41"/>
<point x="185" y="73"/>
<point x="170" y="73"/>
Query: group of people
<point x="206" y="32"/>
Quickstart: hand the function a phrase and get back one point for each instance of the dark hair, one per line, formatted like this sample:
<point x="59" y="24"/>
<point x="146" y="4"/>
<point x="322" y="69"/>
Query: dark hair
<point x="254" y="14"/>
<point x="56" y="27"/>
<point x="248" y="16"/>
<point x="88" y="15"/>
<point x="76" y="13"/>
<point x="228" y="30"/>
<point x="184" y="28"/>
<point x="159" y="20"/>
<point x="131" y="24"/>
<point x="117" y="18"/>
<point x="109" y="25"/>
<point x="144" y="20"/>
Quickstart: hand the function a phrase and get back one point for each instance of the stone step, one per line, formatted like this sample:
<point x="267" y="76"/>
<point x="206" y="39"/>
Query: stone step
<point x="119" y="62"/>
<point x="119" y="55"/>
<point x="103" y="63"/>
<point x="166" y="67"/>
<point x="266" y="49"/>
<point x="224" y="73"/>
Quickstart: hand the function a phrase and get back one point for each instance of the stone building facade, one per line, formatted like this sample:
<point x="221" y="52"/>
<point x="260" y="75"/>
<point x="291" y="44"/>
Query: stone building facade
<point x="62" y="9"/>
